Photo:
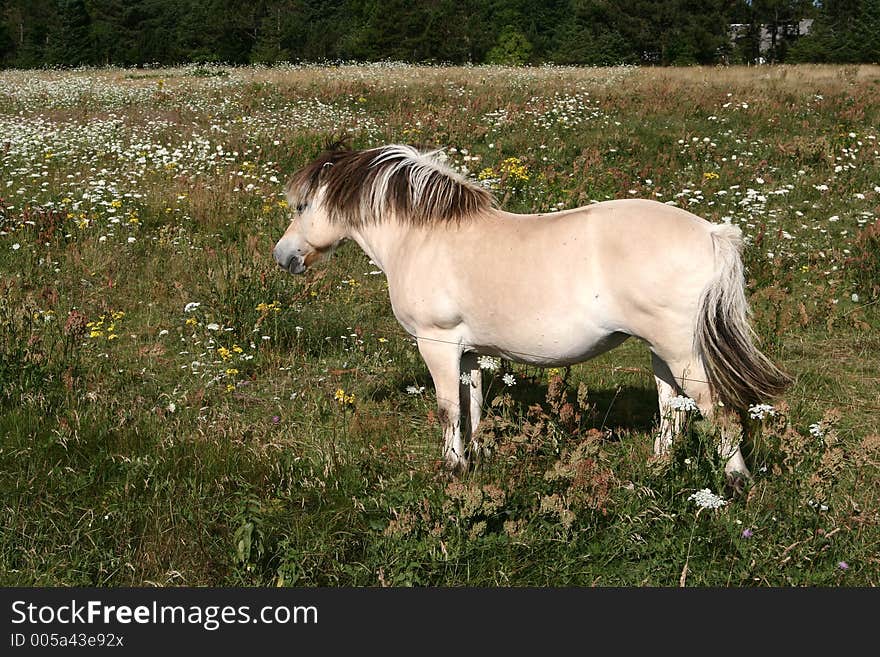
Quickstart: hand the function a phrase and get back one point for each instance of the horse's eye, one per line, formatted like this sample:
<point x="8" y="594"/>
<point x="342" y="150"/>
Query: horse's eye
<point x="301" y="207"/>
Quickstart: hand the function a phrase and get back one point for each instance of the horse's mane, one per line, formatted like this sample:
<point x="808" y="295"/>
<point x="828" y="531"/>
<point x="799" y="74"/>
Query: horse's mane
<point x="366" y="186"/>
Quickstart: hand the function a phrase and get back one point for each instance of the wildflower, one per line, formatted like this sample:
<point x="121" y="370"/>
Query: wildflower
<point x="231" y="371"/>
<point x="413" y="390"/>
<point x="843" y="565"/>
<point x="706" y="499"/>
<point x="343" y="398"/>
<point x="237" y="349"/>
<point x="191" y="321"/>
<point x="816" y="430"/>
<point x="508" y="379"/>
<point x="230" y="387"/>
<point x="213" y="326"/>
<point x="855" y="298"/>
<point x="192" y="305"/>
<point x="224" y="353"/>
<point x="383" y="340"/>
<point x="760" y="411"/>
<point x="16" y="246"/>
<point x="710" y="175"/>
<point x="682" y="403"/>
<point x="747" y="533"/>
<point x="275" y="419"/>
<point x="172" y="407"/>
<point x="488" y="363"/>
<point x="465" y="379"/>
<point x="514" y="169"/>
<point x="553" y="371"/>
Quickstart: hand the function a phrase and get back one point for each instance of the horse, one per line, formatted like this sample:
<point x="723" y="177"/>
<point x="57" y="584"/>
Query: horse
<point x="466" y="278"/>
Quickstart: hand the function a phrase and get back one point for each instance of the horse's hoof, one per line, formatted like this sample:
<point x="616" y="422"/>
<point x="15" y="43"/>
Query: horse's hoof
<point x="456" y="466"/>
<point x="736" y="483"/>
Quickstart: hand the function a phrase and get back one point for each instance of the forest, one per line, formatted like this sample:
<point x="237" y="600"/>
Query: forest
<point x="71" y="33"/>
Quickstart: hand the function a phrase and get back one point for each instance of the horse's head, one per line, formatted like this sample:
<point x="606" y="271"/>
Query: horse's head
<point x="309" y="237"/>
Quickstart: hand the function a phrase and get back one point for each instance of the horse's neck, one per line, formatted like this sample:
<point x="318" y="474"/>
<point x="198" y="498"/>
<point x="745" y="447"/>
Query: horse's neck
<point x="380" y="241"/>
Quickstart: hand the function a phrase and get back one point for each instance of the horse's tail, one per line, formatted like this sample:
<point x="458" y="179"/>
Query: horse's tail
<point x="739" y="374"/>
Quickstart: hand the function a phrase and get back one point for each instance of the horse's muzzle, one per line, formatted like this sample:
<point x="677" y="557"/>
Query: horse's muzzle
<point x="292" y="262"/>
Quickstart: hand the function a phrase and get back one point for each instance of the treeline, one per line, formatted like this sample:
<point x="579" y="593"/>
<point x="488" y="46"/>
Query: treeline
<point x="37" y="33"/>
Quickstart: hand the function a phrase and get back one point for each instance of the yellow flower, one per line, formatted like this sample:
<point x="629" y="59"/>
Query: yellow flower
<point x="112" y="336"/>
<point x="116" y="203"/>
<point x="710" y="175"/>
<point x="553" y="371"/>
<point x="282" y="204"/>
<point x="96" y="333"/>
<point x="237" y="349"/>
<point x="118" y="314"/>
<point x="382" y="340"/>
<point x="515" y="170"/>
<point x="224" y="353"/>
<point x="231" y="371"/>
<point x="486" y="173"/>
<point x="343" y="398"/>
<point x="230" y="387"/>
<point x="191" y="321"/>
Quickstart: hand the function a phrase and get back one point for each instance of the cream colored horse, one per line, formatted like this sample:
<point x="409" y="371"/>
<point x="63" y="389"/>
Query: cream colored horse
<point x="466" y="278"/>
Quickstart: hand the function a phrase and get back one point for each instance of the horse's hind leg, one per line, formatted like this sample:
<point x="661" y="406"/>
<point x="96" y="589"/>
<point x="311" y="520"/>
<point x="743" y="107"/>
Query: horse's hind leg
<point x="670" y="418"/>
<point x="688" y="376"/>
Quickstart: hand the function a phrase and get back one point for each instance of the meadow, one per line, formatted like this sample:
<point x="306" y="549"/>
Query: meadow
<point x="176" y="410"/>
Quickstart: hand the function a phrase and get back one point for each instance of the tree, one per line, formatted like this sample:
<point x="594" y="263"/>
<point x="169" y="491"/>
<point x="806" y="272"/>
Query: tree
<point x="70" y="41"/>
<point x="512" y="48"/>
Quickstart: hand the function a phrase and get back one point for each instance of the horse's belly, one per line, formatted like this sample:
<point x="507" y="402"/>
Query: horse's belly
<point x="546" y="346"/>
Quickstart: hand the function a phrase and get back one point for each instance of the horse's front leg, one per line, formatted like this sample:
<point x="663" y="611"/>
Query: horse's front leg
<point x="444" y="362"/>
<point x="471" y="399"/>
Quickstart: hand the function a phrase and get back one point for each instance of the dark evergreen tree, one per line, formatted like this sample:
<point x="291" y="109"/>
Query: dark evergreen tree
<point x="70" y="42"/>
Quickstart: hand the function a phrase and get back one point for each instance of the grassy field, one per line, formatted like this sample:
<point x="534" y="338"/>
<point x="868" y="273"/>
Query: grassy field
<point x="176" y="410"/>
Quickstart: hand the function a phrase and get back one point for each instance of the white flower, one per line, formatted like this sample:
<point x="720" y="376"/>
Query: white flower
<point x="172" y="407"/>
<point x="163" y="332"/>
<point x="706" y="499"/>
<point x="488" y="363"/>
<point x="16" y="246"/>
<point x="131" y="240"/>
<point x="855" y="298"/>
<point x="816" y="430"/>
<point x="465" y="378"/>
<point x="509" y="379"/>
<point x="213" y="326"/>
<point x="192" y="305"/>
<point x="682" y="403"/>
<point x="413" y="390"/>
<point x="760" y="411"/>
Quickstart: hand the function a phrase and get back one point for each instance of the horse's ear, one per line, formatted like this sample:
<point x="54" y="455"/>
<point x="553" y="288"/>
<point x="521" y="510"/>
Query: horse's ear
<point x="340" y="142"/>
